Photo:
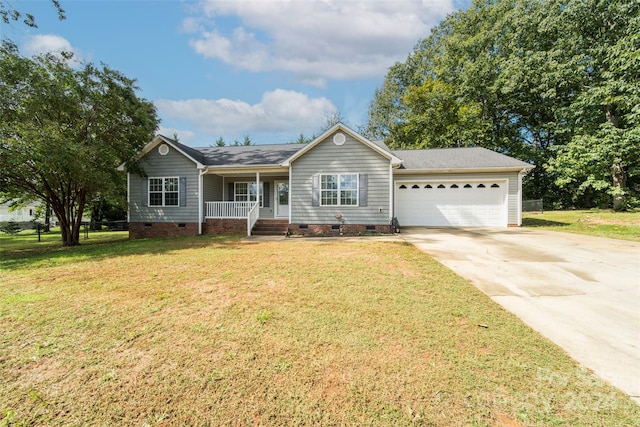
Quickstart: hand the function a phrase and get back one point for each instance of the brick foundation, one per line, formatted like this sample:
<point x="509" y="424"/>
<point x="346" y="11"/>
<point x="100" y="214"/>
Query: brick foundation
<point x="141" y="230"/>
<point x="330" y="230"/>
<point x="225" y="226"/>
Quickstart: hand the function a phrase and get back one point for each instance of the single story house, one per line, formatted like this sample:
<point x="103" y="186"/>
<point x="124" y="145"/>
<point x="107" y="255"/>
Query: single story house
<point x="339" y="183"/>
<point x="23" y="214"/>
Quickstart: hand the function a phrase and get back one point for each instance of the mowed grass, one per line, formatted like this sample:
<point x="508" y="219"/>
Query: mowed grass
<point x="224" y="331"/>
<point x="595" y="222"/>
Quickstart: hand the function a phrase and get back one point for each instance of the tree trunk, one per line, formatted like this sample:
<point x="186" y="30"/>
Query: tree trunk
<point x="70" y="224"/>
<point x="619" y="176"/>
<point x="47" y="218"/>
<point x="618" y="169"/>
<point x="65" y="228"/>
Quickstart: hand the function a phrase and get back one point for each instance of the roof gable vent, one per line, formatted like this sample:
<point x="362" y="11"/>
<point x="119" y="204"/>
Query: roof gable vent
<point x="339" y="138"/>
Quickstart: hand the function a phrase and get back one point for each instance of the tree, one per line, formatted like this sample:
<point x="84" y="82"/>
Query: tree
<point x="528" y="78"/>
<point x="303" y="139"/>
<point x="220" y="142"/>
<point x="9" y="13"/>
<point x="603" y="155"/>
<point x="107" y="209"/>
<point x="330" y="120"/>
<point x="245" y="141"/>
<point x="440" y="118"/>
<point x="64" y="131"/>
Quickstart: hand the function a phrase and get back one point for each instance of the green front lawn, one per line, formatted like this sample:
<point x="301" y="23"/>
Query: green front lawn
<point x="223" y="331"/>
<point x="596" y="222"/>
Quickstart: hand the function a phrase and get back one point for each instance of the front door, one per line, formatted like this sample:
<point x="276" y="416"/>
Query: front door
<point x="282" y="199"/>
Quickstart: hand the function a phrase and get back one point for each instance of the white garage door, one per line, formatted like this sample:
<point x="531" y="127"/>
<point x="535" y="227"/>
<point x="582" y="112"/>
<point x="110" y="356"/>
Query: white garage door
<point x="446" y="203"/>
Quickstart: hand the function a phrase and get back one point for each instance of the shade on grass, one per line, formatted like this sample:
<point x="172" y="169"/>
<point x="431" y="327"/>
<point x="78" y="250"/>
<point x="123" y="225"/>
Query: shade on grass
<point x="216" y="330"/>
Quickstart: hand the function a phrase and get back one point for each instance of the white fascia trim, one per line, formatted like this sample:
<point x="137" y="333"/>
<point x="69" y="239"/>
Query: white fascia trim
<point x="452" y="180"/>
<point x="461" y="170"/>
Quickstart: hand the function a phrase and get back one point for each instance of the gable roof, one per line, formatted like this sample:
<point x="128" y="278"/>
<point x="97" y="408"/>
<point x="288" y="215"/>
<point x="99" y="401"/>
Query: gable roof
<point x="340" y="127"/>
<point x="190" y="153"/>
<point x="465" y="159"/>
<point x="468" y="158"/>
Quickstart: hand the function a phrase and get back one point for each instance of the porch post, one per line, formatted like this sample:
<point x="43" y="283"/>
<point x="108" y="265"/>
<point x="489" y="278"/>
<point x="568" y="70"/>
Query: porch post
<point x="258" y="192"/>
<point x="201" y="174"/>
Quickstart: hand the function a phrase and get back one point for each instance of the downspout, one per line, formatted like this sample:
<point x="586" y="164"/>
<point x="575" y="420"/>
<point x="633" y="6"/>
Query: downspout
<point x="128" y="197"/>
<point x="203" y="172"/>
<point x="391" y="210"/>
<point x="519" y="198"/>
<point x="290" y="187"/>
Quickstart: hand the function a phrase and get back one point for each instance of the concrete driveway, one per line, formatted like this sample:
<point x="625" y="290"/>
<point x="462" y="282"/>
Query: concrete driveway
<point x="581" y="292"/>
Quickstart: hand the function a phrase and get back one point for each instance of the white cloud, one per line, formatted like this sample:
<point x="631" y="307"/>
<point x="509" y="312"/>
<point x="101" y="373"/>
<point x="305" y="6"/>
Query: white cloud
<point x="315" y="40"/>
<point x="279" y="112"/>
<point x="184" y="136"/>
<point x="51" y="43"/>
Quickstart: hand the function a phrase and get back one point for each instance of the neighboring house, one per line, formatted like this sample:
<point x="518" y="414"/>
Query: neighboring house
<point x="339" y="183"/>
<point x="23" y="214"/>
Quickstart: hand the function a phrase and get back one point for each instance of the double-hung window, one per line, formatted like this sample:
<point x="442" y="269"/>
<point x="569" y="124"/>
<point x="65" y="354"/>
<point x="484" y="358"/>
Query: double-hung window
<point x="248" y="192"/>
<point x="339" y="189"/>
<point x="164" y="191"/>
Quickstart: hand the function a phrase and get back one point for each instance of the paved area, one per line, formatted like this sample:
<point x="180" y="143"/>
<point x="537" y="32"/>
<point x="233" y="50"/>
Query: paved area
<point x="581" y="292"/>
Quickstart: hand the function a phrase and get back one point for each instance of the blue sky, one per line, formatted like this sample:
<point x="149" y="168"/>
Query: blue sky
<point x="267" y="69"/>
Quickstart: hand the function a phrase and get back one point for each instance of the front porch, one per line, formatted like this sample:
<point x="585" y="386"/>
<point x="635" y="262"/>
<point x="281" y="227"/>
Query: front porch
<point x="241" y="217"/>
<point x="231" y="216"/>
<point x="234" y="201"/>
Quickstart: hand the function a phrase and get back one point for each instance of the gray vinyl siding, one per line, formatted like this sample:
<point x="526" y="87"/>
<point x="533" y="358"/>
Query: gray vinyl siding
<point x="213" y="190"/>
<point x="513" y="195"/>
<point x="173" y="164"/>
<point x="328" y="158"/>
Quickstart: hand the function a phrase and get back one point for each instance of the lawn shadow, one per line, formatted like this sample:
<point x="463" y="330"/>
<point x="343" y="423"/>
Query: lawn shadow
<point x="95" y="251"/>
<point x="536" y="222"/>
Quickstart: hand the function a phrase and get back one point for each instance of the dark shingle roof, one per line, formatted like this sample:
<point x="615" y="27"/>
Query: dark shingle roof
<point x="249" y="155"/>
<point x="456" y="158"/>
<point x="429" y="159"/>
<point x="194" y="153"/>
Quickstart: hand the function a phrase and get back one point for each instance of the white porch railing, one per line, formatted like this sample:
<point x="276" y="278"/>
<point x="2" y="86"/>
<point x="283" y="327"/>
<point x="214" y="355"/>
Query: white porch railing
<point x="252" y="218"/>
<point x="234" y="210"/>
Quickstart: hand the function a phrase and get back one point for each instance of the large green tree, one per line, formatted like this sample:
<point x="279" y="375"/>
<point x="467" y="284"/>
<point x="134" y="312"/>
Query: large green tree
<point x="602" y="159"/>
<point x="64" y="130"/>
<point x="534" y="79"/>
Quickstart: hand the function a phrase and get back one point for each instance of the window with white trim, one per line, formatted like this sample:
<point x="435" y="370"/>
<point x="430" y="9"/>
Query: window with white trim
<point x="164" y="191"/>
<point x="247" y="192"/>
<point x="339" y="189"/>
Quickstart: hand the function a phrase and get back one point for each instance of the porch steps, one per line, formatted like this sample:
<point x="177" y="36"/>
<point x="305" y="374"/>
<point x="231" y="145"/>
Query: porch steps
<point x="270" y="227"/>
